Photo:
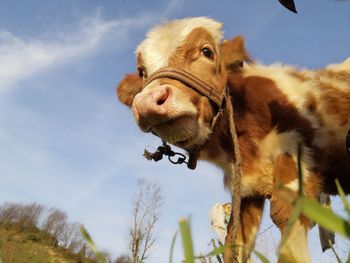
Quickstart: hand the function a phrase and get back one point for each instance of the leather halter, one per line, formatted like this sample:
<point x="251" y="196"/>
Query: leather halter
<point x="189" y="80"/>
<point x="201" y="87"/>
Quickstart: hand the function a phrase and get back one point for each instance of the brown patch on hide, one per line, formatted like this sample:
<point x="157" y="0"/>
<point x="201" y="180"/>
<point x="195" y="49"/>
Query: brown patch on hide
<point x="335" y="102"/>
<point x="285" y="171"/>
<point x="260" y="106"/>
<point x="280" y="210"/>
<point x="220" y="139"/>
<point x="310" y="102"/>
<point x="250" y="101"/>
<point x="287" y="118"/>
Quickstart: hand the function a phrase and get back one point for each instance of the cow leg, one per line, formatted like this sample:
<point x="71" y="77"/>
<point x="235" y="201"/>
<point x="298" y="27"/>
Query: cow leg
<point x="285" y="189"/>
<point x="295" y="248"/>
<point x="250" y="217"/>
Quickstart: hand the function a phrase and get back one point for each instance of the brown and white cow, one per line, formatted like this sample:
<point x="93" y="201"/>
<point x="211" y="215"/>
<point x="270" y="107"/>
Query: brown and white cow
<point x="275" y="108"/>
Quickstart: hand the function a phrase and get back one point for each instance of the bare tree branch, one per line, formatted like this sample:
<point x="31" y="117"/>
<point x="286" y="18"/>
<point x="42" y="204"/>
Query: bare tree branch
<point x="146" y="213"/>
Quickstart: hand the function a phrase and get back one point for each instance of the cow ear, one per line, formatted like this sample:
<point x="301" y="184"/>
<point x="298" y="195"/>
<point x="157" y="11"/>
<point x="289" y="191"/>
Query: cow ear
<point x="128" y="88"/>
<point x="234" y="53"/>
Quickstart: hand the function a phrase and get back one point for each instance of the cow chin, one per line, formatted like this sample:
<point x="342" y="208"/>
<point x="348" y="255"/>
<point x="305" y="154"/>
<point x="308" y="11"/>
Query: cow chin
<point x="185" y="132"/>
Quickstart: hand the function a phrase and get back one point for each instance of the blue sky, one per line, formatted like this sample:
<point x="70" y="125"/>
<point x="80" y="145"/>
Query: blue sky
<point x="66" y="142"/>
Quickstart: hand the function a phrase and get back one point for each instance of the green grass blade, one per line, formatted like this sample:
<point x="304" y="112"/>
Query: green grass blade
<point x="325" y="217"/>
<point x="91" y="243"/>
<point x="186" y="240"/>
<point x="343" y="197"/>
<point x="260" y="256"/>
<point x="348" y="261"/>
<point x="217" y="251"/>
<point x="172" y="247"/>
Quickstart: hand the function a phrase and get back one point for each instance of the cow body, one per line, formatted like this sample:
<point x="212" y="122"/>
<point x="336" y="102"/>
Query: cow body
<point x="275" y="108"/>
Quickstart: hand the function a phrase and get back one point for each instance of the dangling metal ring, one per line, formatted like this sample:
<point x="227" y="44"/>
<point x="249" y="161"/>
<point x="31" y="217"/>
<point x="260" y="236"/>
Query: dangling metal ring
<point x="181" y="159"/>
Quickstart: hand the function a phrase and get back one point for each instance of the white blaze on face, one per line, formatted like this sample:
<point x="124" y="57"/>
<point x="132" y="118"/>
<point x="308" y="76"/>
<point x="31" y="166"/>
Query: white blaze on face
<point x="162" y="41"/>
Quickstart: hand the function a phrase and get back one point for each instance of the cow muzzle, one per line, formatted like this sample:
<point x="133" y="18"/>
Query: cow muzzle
<point x="152" y="107"/>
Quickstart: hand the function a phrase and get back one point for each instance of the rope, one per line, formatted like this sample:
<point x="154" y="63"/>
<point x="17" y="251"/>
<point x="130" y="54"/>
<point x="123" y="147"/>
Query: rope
<point x="231" y="256"/>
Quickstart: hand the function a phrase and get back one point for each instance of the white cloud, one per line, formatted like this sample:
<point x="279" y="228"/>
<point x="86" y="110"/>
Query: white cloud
<point x="22" y="58"/>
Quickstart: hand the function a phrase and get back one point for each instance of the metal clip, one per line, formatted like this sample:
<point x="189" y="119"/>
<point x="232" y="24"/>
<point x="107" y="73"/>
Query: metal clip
<point x="166" y="150"/>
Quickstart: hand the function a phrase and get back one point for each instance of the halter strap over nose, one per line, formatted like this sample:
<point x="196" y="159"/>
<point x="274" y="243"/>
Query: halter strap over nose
<point x="190" y="80"/>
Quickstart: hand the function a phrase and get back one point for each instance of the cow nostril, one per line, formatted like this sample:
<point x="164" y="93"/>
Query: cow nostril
<point x="162" y="99"/>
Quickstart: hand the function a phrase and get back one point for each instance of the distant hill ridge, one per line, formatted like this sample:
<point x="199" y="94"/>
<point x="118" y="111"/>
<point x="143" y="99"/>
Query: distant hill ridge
<point x="33" y="234"/>
<point x="32" y="245"/>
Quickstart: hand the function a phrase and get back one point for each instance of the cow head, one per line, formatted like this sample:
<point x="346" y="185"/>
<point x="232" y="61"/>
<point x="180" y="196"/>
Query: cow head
<point x="168" y="107"/>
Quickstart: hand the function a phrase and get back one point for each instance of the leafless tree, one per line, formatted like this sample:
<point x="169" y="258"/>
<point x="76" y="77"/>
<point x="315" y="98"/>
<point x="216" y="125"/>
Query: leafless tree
<point x="8" y="214"/>
<point x="71" y="237"/>
<point x="55" y="224"/>
<point x="66" y="235"/>
<point x="25" y="216"/>
<point x="146" y="212"/>
<point x="29" y="215"/>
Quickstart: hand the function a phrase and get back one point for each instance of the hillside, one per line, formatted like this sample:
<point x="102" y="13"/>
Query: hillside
<point x="33" y="246"/>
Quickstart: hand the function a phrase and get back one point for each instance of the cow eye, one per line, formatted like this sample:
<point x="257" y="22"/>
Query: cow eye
<point x="141" y="71"/>
<point x="207" y="52"/>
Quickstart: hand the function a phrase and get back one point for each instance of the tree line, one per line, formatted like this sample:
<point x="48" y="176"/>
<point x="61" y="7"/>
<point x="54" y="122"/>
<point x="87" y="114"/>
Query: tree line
<point x="52" y="223"/>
